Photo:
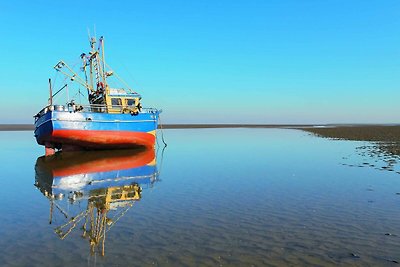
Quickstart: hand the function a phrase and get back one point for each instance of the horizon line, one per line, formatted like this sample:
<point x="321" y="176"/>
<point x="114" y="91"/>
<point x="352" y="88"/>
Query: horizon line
<point x="29" y="127"/>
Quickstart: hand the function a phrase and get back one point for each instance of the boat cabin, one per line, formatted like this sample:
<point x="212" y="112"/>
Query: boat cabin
<point x="119" y="101"/>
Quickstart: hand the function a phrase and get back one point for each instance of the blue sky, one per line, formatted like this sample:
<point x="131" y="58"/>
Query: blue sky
<point x="332" y="61"/>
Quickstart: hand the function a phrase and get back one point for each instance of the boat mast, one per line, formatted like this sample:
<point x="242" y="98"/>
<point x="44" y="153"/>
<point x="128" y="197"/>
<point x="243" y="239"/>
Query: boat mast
<point x="97" y="65"/>
<point x="104" y="65"/>
<point x="98" y="89"/>
<point x="90" y="63"/>
<point x="51" y="94"/>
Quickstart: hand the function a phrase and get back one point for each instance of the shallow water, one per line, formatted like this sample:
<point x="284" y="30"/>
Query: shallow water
<point x="217" y="197"/>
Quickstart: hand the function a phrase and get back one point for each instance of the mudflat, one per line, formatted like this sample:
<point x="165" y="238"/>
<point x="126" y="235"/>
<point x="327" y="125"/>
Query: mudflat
<point x="387" y="138"/>
<point x="359" y="133"/>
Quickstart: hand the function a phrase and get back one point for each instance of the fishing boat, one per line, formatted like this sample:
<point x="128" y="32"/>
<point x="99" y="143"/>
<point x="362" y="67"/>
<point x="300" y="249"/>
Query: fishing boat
<point x="110" y="118"/>
<point x="90" y="191"/>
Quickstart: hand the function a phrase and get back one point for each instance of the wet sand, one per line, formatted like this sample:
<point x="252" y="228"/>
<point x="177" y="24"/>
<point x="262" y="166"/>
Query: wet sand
<point x="387" y="138"/>
<point x="359" y="133"/>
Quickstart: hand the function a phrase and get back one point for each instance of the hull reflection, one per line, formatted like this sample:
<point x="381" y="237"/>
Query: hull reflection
<point x="108" y="182"/>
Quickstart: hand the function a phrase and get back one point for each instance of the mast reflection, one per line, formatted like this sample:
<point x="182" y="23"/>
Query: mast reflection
<point x="107" y="183"/>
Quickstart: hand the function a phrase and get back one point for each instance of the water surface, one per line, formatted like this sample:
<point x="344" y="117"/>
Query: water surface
<point x="218" y="197"/>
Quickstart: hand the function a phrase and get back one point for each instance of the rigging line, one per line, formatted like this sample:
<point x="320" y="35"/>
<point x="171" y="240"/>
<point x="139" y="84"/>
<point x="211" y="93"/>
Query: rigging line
<point x="120" y="215"/>
<point x="66" y="78"/>
<point x="120" y="79"/>
<point x="74" y="65"/>
<point x="59" y="90"/>
<point x="130" y="75"/>
<point x="56" y="93"/>
<point x="58" y="97"/>
<point x="88" y="30"/>
<point x="54" y="81"/>
<point x="104" y="238"/>
<point x="75" y="221"/>
<point x="55" y="76"/>
<point x="73" y="72"/>
<point x="61" y="210"/>
<point x="79" y="93"/>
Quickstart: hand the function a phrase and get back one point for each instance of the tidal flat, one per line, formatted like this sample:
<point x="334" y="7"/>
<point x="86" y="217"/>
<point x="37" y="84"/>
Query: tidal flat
<point x="383" y="142"/>
<point x="212" y="197"/>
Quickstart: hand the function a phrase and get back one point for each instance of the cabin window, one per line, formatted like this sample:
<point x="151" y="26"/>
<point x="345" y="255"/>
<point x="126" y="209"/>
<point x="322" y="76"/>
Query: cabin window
<point x="130" y="195"/>
<point x="116" y="102"/>
<point x="116" y="196"/>
<point x="130" y="102"/>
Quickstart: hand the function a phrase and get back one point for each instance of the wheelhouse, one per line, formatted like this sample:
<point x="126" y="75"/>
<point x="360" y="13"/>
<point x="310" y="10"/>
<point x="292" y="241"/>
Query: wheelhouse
<point x="119" y="101"/>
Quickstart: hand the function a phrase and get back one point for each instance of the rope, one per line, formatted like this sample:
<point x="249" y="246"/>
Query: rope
<point x="126" y="69"/>
<point x="161" y="163"/>
<point x="161" y="130"/>
<point x="79" y="94"/>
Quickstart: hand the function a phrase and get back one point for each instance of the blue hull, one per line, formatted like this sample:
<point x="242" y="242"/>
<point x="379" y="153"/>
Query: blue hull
<point x="94" y="130"/>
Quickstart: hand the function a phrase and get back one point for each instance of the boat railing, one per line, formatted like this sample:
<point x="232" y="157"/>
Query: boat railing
<point x="97" y="108"/>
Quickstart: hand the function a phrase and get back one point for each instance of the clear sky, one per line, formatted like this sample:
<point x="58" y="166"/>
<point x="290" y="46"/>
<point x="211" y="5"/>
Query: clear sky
<point x="226" y="61"/>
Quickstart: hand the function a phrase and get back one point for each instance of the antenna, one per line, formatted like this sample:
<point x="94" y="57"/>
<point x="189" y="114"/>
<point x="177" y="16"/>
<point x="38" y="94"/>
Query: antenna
<point x="88" y="31"/>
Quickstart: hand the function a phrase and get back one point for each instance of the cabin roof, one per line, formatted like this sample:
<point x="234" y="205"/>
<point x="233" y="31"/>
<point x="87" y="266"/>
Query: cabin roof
<point x="121" y="93"/>
<point x="125" y="95"/>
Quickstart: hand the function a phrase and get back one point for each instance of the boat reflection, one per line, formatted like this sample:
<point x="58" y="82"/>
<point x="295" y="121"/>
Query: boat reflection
<point x="93" y="189"/>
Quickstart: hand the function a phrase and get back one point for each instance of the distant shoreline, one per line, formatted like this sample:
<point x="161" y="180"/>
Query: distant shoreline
<point x="16" y="127"/>
<point x="30" y="127"/>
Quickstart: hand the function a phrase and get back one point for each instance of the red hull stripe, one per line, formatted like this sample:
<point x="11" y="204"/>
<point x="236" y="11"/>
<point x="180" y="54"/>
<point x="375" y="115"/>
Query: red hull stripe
<point x="102" y="139"/>
<point x="106" y="164"/>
